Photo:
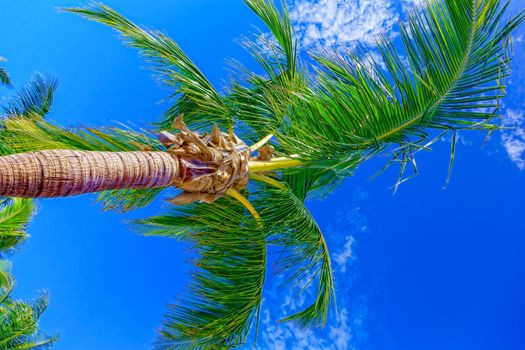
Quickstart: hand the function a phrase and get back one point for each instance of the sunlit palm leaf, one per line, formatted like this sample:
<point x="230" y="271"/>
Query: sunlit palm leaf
<point x="226" y="294"/>
<point x="35" y="100"/>
<point x="18" y="319"/>
<point x="15" y="214"/>
<point x="280" y="26"/>
<point x="197" y="98"/>
<point x="261" y="101"/>
<point x="305" y="260"/>
<point x="4" y="75"/>
<point x="457" y="58"/>
<point x="19" y="325"/>
<point x="5" y="274"/>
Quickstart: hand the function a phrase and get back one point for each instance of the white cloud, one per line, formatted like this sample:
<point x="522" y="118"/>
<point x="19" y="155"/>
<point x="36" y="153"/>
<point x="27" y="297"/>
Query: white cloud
<point x="343" y="256"/>
<point x="514" y="137"/>
<point x="341" y="332"/>
<point x="407" y="4"/>
<point x="290" y="336"/>
<point x="287" y="335"/>
<point x="341" y="23"/>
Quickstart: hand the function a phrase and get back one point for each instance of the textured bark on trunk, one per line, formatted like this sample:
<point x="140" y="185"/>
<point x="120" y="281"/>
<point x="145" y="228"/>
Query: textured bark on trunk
<point x="61" y="173"/>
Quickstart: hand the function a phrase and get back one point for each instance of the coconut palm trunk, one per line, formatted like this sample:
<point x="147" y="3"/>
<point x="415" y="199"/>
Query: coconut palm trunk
<point x="62" y="173"/>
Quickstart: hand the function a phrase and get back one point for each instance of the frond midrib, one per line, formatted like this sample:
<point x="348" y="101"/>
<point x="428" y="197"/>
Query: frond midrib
<point x="453" y="83"/>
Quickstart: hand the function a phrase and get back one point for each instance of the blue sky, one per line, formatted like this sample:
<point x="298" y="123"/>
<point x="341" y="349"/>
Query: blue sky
<point x="427" y="268"/>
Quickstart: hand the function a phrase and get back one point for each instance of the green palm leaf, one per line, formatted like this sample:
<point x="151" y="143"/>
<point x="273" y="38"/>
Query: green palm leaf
<point x="457" y="57"/>
<point x="14" y="216"/>
<point x="18" y="319"/>
<point x="225" y="297"/>
<point x="5" y="274"/>
<point x="231" y="266"/>
<point x="197" y="98"/>
<point x="35" y="100"/>
<point x="305" y="258"/>
<point x="4" y="75"/>
<point x="19" y="325"/>
<point x="280" y="26"/>
<point x="261" y="101"/>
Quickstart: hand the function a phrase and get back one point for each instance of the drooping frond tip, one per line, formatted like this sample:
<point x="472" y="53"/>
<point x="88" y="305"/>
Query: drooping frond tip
<point x="33" y="101"/>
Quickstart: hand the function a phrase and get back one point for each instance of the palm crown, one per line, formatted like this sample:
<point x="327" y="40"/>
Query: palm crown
<point x="4" y="76"/>
<point x="448" y="76"/>
<point x="18" y="319"/>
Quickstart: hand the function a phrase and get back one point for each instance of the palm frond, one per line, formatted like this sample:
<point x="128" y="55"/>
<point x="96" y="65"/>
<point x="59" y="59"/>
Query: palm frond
<point x="34" y="100"/>
<point x="6" y="279"/>
<point x="280" y="26"/>
<point x="226" y="293"/>
<point x="5" y="79"/>
<point x="128" y="199"/>
<point x="305" y="259"/>
<point x="15" y="214"/>
<point x="197" y="98"/>
<point x="26" y="135"/>
<point x="311" y="184"/>
<point x="19" y="325"/>
<point x="260" y="100"/>
<point x="285" y="222"/>
<point x="357" y="104"/>
<point x="18" y="319"/>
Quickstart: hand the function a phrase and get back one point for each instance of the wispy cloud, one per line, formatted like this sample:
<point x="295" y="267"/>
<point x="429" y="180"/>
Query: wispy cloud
<point x="338" y="24"/>
<point x="343" y="256"/>
<point x="407" y="4"/>
<point x="341" y="23"/>
<point x="514" y="137"/>
<point x="341" y="332"/>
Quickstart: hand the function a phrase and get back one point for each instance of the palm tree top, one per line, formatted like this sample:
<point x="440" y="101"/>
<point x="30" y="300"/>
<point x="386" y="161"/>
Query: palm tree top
<point x="446" y="74"/>
<point x="18" y="319"/>
<point x="19" y="327"/>
<point x="4" y="75"/>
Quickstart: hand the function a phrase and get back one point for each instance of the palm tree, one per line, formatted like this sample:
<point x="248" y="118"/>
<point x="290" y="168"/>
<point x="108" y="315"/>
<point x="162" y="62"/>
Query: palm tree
<point x="310" y="122"/>
<point x="4" y="76"/>
<point x="18" y="319"/>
